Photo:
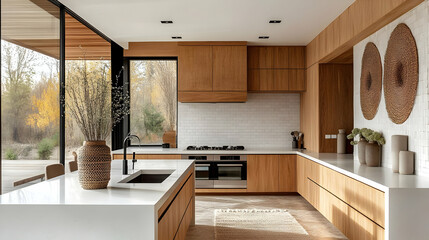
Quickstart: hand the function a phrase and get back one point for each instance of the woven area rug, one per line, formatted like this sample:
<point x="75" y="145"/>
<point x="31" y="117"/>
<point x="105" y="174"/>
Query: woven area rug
<point x="247" y="224"/>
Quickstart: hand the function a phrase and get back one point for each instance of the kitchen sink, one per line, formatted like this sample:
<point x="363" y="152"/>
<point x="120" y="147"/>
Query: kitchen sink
<point x="148" y="176"/>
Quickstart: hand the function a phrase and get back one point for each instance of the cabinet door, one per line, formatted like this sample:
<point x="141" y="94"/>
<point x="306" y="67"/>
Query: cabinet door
<point x="252" y="57"/>
<point x="281" y="79"/>
<point x="296" y="80"/>
<point x="266" y="80"/>
<point x="195" y="68"/>
<point x="287" y="173"/>
<point x="229" y="68"/>
<point x="253" y="80"/>
<point x="281" y="57"/>
<point x="266" y="57"/>
<point x="296" y="57"/>
<point x="262" y="173"/>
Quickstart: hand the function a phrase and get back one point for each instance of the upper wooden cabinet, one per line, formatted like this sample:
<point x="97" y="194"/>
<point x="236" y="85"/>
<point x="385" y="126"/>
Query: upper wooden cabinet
<point x="276" y="69"/>
<point x="212" y="72"/>
<point x="229" y="68"/>
<point x="195" y="68"/>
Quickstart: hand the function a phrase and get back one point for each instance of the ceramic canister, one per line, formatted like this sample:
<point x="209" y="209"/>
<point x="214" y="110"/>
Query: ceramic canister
<point x="399" y="143"/>
<point x="406" y="162"/>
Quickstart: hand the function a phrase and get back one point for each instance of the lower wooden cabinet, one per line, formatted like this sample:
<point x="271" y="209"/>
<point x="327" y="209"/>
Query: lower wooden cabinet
<point x="355" y="208"/>
<point x="287" y="173"/>
<point x="271" y="173"/>
<point x="176" y="215"/>
<point x="262" y="173"/>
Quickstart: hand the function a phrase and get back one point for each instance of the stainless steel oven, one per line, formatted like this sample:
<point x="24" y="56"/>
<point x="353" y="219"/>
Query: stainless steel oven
<point x="220" y="171"/>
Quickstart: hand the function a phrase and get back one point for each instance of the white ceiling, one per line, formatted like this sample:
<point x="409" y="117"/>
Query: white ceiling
<point x="210" y="20"/>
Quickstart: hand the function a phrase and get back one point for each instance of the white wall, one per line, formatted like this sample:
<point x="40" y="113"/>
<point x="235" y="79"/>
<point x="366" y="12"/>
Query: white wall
<point x="264" y="121"/>
<point x="417" y="125"/>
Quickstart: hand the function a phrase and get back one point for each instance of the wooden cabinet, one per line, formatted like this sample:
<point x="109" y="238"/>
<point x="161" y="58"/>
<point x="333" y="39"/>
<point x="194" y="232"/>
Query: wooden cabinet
<point x="266" y="79"/>
<point x="276" y="69"/>
<point x="355" y="208"/>
<point x="176" y="215"/>
<point x="229" y="68"/>
<point x="281" y="57"/>
<point x="281" y="79"/>
<point x="262" y="173"/>
<point x="296" y="57"/>
<point x="296" y="80"/>
<point x="195" y="68"/>
<point x="266" y="57"/>
<point x="212" y="72"/>
<point x="271" y="173"/>
<point x="287" y="173"/>
<point x="253" y="83"/>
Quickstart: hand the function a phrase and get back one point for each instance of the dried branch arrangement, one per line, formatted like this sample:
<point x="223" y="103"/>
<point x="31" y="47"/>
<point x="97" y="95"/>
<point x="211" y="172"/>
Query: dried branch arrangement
<point x="88" y="95"/>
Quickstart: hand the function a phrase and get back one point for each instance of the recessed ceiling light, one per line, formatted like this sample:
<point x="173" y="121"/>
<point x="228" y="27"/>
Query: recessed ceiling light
<point x="176" y="37"/>
<point x="275" y="21"/>
<point x="264" y="37"/>
<point x="166" y="22"/>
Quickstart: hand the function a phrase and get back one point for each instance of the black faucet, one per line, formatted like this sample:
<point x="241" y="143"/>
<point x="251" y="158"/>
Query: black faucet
<point x="124" y="161"/>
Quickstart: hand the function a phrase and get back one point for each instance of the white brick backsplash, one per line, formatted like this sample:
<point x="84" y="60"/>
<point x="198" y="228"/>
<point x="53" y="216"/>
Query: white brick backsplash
<point x="417" y="125"/>
<point x="264" y="121"/>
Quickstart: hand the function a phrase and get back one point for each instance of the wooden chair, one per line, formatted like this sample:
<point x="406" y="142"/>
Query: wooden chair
<point x="54" y="170"/>
<point x="73" y="164"/>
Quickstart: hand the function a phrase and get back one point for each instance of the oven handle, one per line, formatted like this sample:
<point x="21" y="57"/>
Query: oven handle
<point x="202" y="165"/>
<point x="229" y="165"/>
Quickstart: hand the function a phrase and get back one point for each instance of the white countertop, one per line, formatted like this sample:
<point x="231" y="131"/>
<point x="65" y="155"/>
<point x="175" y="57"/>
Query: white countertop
<point x="159" y="150"/>
<point x="66" y="190"/>
<point x="378" y="177"/>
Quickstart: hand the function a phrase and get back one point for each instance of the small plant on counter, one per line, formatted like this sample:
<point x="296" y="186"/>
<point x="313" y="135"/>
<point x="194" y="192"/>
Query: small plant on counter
<point x="376" y="137"/>
<point x="361" y="133"/>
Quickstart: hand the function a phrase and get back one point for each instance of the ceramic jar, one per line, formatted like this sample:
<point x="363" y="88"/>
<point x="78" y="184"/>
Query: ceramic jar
<point x="399" y="143"/>
<point x="406" y="162"/>
<point x="361" y="150"/>
<point x="372" y="154"/>
<point x="341" y="141"/>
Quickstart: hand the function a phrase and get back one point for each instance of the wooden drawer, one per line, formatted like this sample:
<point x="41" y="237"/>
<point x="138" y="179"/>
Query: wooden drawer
<point x="350" y="222"/>
<point x="169" y="223"/>
<point x="365" y="199"/>
<point x="186" y="222"/>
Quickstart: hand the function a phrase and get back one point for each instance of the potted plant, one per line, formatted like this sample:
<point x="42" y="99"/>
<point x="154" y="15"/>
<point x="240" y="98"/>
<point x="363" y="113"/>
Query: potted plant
<point x="373" y="149"/>
<point x="96" y="106"/>
<point x="357" y="132"/>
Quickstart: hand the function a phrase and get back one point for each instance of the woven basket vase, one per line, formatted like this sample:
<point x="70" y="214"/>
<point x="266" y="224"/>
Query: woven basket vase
<point x="94" y="162"/>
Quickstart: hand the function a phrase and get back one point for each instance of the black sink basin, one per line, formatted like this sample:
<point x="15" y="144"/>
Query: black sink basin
<point x="148" y="176"/>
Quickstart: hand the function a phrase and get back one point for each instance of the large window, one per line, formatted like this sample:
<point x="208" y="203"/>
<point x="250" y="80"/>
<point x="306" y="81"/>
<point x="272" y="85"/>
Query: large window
<point x="30" y="115"/>
<point x="153" y="93"/>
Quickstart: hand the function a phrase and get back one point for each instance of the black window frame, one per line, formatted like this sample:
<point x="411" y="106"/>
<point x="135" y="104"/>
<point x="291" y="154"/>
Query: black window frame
<point x="127" y="82"/>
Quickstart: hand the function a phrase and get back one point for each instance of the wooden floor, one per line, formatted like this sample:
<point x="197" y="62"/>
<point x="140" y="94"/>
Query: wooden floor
<point x="313" y="222"/>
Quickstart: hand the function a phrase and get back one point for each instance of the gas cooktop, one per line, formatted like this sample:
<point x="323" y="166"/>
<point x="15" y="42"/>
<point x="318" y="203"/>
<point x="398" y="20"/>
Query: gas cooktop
<point x="225" y="148"/>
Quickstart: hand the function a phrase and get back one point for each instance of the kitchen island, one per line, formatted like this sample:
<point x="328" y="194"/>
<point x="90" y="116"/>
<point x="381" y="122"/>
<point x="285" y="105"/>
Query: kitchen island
<point x="60" y="209"/>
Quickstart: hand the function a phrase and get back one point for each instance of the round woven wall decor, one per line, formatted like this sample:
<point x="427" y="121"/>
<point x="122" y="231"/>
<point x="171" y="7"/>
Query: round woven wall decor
<point x="370" y="81"/>
<point x="401" y="74"/>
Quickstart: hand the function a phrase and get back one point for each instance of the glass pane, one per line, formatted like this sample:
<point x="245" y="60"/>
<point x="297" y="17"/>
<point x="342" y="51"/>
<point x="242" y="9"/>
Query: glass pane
<point x="29" y="90"/>
<point x="153" y="92"/>
<point x="229" y="173"/>
<point x="202" y="172"/>
<point x="87" y="72"/>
